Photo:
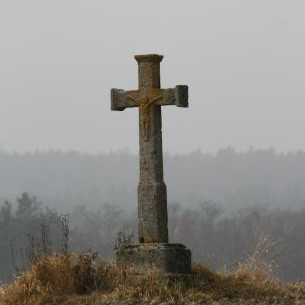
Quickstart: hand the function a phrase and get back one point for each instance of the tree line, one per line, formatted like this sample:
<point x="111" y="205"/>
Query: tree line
<point x="68" y="179"/>
<point x="219" y="238"/>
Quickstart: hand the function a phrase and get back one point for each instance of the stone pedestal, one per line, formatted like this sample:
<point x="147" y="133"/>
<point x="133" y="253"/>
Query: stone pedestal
<point x="168" y="258"/>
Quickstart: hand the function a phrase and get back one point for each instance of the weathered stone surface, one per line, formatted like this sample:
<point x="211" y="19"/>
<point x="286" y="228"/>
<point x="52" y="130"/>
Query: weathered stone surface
<point x="152" y="216"/>
<point x="177" y="96"/>
<point x="152" y="197"/>
<point x="169" y="258"/>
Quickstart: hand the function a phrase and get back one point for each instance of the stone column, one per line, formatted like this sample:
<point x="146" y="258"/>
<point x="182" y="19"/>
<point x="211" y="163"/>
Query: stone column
<point x="152" y="197"/>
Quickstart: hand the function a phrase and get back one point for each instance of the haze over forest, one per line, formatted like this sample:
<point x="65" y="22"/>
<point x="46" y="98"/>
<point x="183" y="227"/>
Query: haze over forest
<point x="221" y="206"/>
<point x="228" y="190"/>
<point x="65" y="180"/>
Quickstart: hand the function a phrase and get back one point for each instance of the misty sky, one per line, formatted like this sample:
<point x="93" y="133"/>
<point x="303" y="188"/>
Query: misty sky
<point x="244" y="62"/>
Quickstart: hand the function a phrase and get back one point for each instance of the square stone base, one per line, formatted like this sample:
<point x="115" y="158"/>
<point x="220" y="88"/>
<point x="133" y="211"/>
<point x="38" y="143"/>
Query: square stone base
<point x="168" y="258"/>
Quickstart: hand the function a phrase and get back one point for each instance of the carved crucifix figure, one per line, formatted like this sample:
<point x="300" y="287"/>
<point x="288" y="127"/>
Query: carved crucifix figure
<point x="152" y="197"/>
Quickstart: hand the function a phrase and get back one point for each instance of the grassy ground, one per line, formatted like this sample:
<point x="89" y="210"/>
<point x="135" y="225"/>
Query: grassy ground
<point x="71" y="279"/>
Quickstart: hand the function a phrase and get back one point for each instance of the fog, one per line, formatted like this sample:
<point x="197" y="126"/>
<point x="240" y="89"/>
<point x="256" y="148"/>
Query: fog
<point x="243" y="61"/>
<point x="229" y="179"/>
<point x="234" y="160"/>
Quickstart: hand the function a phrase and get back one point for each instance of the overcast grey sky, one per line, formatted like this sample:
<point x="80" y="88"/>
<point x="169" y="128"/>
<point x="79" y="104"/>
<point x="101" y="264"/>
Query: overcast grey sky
<point x="244" y="62"/>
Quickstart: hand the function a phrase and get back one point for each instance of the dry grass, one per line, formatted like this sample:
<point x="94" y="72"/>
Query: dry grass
<point x="257" y="270"/>
<point x="86" y="279"/>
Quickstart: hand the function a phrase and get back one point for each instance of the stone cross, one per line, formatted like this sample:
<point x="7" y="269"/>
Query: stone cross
<point x="152" y="197"/>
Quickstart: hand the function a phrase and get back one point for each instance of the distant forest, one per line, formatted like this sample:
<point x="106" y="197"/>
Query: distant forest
<point x="224" y="206"/>
<point x="232" y="179"/>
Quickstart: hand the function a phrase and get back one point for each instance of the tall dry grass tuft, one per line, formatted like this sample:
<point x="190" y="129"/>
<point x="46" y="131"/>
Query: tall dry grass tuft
<point x="258" y="269"/>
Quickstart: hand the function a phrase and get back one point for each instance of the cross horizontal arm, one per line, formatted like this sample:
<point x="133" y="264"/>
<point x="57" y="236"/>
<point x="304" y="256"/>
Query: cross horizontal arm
<point x="175" y="96"/>
<point x="121" y="99"/>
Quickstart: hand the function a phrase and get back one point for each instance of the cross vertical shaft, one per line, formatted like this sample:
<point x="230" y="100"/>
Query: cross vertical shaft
<point x="152" y="197"/>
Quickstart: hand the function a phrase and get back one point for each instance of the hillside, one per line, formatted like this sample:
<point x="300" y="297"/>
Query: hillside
<point x="74" y="279"/>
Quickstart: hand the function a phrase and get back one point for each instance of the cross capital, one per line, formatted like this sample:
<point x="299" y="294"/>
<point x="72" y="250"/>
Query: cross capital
<point x="149" y="58"/>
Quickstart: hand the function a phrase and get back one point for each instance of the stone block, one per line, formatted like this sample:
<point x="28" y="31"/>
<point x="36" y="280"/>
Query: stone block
<point x="168" y="258"/>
